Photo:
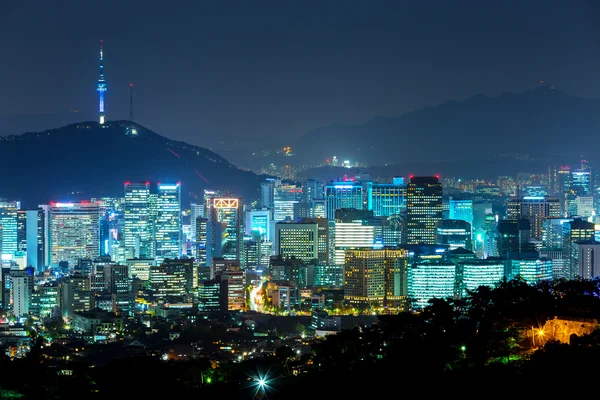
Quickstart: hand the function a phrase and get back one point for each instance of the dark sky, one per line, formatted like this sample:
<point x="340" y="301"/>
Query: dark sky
<point x="255" y="70"/>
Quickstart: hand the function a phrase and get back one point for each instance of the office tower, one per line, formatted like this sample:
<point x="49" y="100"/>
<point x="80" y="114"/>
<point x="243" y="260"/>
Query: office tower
<point x="138" y="235"/>
<point x="318" y="208"/>
<point x="376" y="277"/>
<point x="197" y="209"/>
<point x="257" y="253"/>
<point x="8" y="224"/>
<point x="586" y="260"/>
<point x="294" y="270"/>
<point x="201" y="240"/>
<point x="553" y="232"/>
<point x="284" y="198"/>
<point x="513" y="237"/>
<point x="313" y="189"/>
<point x="225" y="231"/>
<point x="167" y="229"/>
<point x="75" y="294"/>
<point x="297" y="239"/>
<point x="49" y="299"/>
<point x="531" y="269"/>
<point x="21" y="231"/>
<point x="428" y="280"/>
<point x="424" y="209"/>
<point x="345" y="194"/>
<point x="259" y="222"/>
<point x="577" y="230"/>
<point x="461" y="209"/>
<point x="172" y="278"/>
<point x="74" y="232"/>
<point x="472" y="273"/>
<point x="581" y="183"/>
<point x="21" y="292"/>
<point x="323" y="239"/>
<point x="267" y="191"/>
<point x="386" y="199"/>
<point x="139" y="268"/>
<point x="454" y="233"/>
<point x="212" y="295"/>
<point x="234" y="278"/>
<point x="116" y="279"/>
<point x="536" y="209"/>
<point x="585" y="206"/>
<point x="353" y="230"/>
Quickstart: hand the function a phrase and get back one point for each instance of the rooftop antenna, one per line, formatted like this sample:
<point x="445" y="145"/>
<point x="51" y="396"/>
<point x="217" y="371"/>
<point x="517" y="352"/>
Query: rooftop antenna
<point x="131" y="102"/>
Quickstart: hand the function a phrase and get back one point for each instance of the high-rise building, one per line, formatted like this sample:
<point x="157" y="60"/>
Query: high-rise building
<point x="532" y="270"/>
<point x="259" y="222"/>
<point x="139" y="268"/>
<point x="225" y="232"/>
<point x="431" y="280"/>
<point x="297" y="239"/>
<point x="345" y="194"/>
<point x="76" y="295"/>
<point x="267" y="193"/>
<point x="472" y="273"/>
<point x="586" y="260"/>
<point x="386" y="199"/>
<point x="172" y="278"/>
<point x="35" y="232"/>
<point x="581" y="182"/>
<point x="233" y="277"/>
<point x="74" y="232"/>
<point x="461" y="209"/>
<point x="284" y="199"/>
<point x="8" y="225"/>
<point x="353" y="230"/>
<point x="138" y="228"/>
<point x="585" y="206"/>
<point x="21" y="292"/>
<point x="455" y="233"/>
<point x="197" y="209"/>
<point x="323" y="240"/>
<point x="201" y="240"/>
<point x="424" y="209"/>
<point x="168" y="222"/>
<point x="376" y="277"/>
<point x="536" y="209"/>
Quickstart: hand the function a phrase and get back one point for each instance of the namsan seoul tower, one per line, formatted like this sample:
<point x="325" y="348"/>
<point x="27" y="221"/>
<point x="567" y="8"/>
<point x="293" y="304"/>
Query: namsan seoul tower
<point x="101" y="88"/>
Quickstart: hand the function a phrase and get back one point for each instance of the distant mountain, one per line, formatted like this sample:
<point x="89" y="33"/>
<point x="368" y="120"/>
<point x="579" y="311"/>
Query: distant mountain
<point x="542" y="122"/>
<point x="86" y="160"/>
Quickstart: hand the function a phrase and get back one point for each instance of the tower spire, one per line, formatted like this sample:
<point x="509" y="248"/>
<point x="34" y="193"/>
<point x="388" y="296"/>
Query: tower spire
<point x="101" y="87"/>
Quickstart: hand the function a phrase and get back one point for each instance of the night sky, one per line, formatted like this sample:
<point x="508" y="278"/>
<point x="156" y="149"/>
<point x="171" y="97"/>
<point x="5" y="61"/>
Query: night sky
<point x="254" y="70"/>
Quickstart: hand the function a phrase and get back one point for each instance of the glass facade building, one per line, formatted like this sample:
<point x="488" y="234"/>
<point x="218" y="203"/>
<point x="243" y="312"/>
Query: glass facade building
<point x="168" y="222"/>
<point x="138" y="227"/>
<point x="424" y="209"/>
<point x="429" y="280"/>
<point x="343" y="195"/>
<point x="74" y="232"/>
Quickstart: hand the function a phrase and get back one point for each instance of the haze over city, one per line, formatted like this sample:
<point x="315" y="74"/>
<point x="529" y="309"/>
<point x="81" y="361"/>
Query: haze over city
<point x="248" y="72"/>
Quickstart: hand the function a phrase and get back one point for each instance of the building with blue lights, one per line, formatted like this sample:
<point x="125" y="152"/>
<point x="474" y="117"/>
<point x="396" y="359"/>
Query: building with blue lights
<point x="461" y="209"/>
<point x="431" y="280"/>
<point x="348" y="194"/>
<point x="101" y="88"/>
<point x="386" y="199"/>
<point x="472" y="273"/>
<point x="167" y="225"/>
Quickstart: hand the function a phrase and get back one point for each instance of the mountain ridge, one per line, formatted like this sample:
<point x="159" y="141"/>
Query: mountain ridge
<point x="535" y="121"/>
<point x="83" y="160"/>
